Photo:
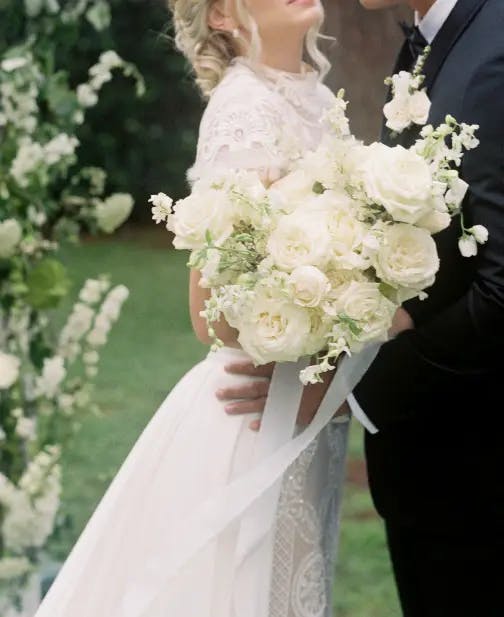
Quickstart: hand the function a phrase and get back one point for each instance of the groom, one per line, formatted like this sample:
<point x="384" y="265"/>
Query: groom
<point x="435" y="392"/>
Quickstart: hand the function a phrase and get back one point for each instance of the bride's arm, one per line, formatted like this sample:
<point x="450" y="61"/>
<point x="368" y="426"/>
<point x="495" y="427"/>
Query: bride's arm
<point x="197" y="297"/>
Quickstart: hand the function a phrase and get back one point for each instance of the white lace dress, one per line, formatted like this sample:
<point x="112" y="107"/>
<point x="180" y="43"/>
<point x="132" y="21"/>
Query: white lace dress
<point x="120" y="566"/>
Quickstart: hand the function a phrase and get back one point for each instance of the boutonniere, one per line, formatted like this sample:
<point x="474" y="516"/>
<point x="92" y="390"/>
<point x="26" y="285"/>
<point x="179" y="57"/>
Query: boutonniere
<point x="409" y="104"/>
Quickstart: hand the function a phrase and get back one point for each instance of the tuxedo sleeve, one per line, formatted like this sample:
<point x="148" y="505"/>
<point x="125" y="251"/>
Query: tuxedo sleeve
<point x="468" y="336"/>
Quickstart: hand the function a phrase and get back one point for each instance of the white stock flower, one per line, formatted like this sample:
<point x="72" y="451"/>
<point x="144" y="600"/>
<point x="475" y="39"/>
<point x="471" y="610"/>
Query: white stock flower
<point x="292" y="191"/>
<point x="53" y="373"/>
<point x="480" y="233"/>
<point x="274" y="330"/>
<point x="26" y="428"/>
<point x="408" y="104"/>
<point x="399" y="180"/>
<point x="161" y="207"/>
<point x="9" y="370"/>
<point x="407" y="257"/>
<point x="456" y="193"/>
<point x="92" y="291"/>
<point x="308" y="286"/>
<point x="300" y="239"/>
<point x="204" y="211"/>
<point x="86" y="95"/>
<point x="468" y="245"/>
<point x="113" y="212"/>
<point x="10" y="237"/>
<point x="369" y="309"/>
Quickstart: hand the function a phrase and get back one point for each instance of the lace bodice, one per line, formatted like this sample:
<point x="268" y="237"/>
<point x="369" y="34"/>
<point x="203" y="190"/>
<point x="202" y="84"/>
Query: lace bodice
<point x="262" y="119"/>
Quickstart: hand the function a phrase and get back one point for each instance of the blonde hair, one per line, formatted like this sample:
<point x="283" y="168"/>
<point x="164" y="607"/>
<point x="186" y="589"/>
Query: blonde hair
<point x="210" y="51"/>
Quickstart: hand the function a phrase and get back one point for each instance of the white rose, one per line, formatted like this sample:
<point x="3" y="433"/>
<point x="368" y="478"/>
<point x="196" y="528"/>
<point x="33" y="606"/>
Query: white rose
<point x="399" y="180"/>
<point x="407" y="257"/>
<point x="346" y="231"/>
<point x="300" y="239"/>
<point x="339" y="281"/>
<point x="435" y="221"/>
<point x="203" y="211"/>
<point x="292" y="191"/>
<point x="111" y="213"/>
<point x="468" y="246"/>
<point x="10" y="237"/>
<point x="369" y="309"/>
<point x="9" y="370"/>
<point x="308" y="286"/>
<point x="275" y="331"/>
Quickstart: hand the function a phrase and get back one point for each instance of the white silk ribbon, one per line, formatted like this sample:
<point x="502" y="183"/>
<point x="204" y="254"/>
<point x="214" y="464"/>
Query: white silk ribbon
<point x="278" y="450"/>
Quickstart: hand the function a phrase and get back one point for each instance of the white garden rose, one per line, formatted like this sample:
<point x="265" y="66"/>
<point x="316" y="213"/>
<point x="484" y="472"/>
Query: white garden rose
<point x="113" y="212"/>
<point x="300" y="239"/>
<point x="204" y="211"/>
<point x="292" y="191"/>
<point x="9" y="370"/>
<point x="275" y="331"/>
<point x="435" y="221"/>
<point x="399" y="180"/>
<point x="369" y="309"/>
<point x="339" y="281"/>
<point x="308" y="286"/>
<point x="10" y="237"/>
<point x="407" y="257"/>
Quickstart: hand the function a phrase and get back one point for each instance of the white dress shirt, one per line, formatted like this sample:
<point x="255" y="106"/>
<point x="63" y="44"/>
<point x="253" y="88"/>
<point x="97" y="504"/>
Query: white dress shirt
<point x="429" y="26"/>
<point x="435" y="18"/>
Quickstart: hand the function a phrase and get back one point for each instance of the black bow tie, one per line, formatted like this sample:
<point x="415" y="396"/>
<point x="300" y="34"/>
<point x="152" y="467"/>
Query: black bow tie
<point x="416" y="40"/>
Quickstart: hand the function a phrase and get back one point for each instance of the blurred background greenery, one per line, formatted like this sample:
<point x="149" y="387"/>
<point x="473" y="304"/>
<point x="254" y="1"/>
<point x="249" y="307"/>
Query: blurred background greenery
<point x="146" y="146"/>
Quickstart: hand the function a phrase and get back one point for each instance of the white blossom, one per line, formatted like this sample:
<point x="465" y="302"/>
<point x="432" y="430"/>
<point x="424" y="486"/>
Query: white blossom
<point x="114" y="211"/>
<point x="9" y="370"/>
<point x="53" y="373"/>
<point x="10" y="237"/>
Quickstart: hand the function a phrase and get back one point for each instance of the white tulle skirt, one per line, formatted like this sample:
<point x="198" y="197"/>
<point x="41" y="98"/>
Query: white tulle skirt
<point x="189" y="450"/>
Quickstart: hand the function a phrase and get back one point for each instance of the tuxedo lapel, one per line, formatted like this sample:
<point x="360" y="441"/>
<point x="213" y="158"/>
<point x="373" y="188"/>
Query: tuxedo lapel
<point x="459" y="19"/>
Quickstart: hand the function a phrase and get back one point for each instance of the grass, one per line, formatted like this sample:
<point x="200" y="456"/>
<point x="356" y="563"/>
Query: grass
<point x="150" y="348"/>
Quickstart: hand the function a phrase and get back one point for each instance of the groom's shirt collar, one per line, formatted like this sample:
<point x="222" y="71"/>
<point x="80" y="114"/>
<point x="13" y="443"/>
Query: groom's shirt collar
<point x="435" y="18"/>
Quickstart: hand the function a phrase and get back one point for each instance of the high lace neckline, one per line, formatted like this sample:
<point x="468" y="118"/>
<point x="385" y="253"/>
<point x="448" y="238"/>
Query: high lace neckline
<point x="308" y="75"/>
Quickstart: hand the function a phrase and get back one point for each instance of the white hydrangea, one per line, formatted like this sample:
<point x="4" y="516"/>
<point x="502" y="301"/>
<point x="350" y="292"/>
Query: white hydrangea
<point x="9" y="370"/>
<point x="10" y="237"/>
<point x="113" y="212"/>
<point x="30" y="155"/>
<point x="59" y="147"/>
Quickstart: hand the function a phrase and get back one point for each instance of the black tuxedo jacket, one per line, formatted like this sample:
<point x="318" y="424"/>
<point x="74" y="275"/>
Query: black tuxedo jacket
<point x="436" y="392"/>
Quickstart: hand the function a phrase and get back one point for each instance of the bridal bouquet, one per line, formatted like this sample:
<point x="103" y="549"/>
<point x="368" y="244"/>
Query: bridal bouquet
<point x="318" y="263"/>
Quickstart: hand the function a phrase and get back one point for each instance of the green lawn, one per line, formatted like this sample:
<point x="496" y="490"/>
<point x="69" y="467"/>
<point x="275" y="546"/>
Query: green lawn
<point x="149" y="350"/>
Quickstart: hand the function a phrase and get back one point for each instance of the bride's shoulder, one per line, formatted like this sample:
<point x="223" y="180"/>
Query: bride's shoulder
<point x="240" y="91"/>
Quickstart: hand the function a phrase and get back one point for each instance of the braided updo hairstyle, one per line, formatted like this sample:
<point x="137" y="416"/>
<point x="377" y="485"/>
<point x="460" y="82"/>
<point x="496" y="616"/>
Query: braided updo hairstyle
<point x="210" y="51"/>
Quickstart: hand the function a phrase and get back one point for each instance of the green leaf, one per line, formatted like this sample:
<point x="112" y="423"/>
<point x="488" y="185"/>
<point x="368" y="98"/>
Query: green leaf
<point x="48" y="283"/>
<point x="388" y="291"/>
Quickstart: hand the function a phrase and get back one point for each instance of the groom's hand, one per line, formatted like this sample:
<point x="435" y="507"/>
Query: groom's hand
<point x="250" y="398"/>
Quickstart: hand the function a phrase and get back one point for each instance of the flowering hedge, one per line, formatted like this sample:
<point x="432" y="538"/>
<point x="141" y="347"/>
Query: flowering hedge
<point x="46" y="199"/>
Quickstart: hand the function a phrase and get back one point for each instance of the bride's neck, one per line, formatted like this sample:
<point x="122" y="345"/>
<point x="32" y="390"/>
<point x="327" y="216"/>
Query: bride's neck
<point x="283" y="57"/>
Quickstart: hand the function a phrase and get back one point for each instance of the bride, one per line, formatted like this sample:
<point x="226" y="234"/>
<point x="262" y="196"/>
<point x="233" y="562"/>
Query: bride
<point x="264" y="111"/>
